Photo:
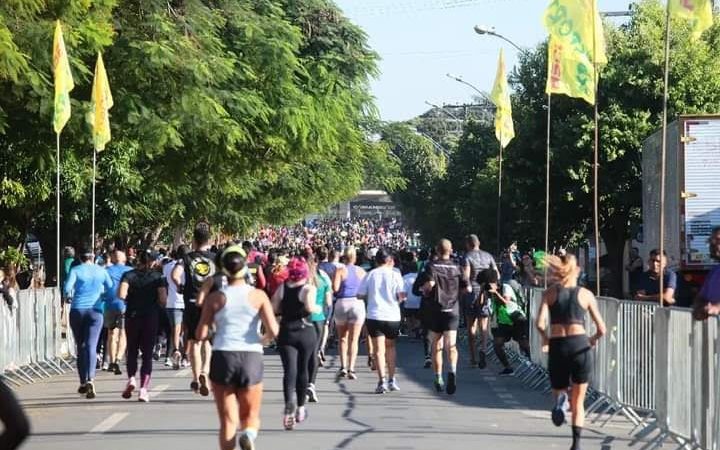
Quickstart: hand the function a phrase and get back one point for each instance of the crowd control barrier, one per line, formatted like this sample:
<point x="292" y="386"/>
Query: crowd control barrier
<point x="33" y="346"/>
<point x="657" y="366"/>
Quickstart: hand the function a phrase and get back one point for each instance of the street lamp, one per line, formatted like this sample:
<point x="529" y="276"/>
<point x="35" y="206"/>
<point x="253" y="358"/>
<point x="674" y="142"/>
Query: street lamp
<point x="483" y="94"/>
<point x="443" y="110"/>
<point x="490" y="31"/>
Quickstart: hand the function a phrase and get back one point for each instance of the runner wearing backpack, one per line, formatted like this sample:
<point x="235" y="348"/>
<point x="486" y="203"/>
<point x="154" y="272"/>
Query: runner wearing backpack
<point x="510" y="314"/>
<point x="198" y="265"/>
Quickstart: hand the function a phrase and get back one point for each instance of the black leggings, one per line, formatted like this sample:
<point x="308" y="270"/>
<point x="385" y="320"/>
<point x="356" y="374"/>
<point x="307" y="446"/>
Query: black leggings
<point x="315" y="358"/>
<point x="296" y="343"/>
<point x="17" y="427"/>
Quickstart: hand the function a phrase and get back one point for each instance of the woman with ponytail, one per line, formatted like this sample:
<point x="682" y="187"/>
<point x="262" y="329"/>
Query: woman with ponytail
<point x="236" y="366"/>
<point x="570" y="359"/>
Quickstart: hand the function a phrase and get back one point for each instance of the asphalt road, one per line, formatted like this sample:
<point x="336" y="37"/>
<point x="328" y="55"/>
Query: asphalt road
<point x="487" y="411"/>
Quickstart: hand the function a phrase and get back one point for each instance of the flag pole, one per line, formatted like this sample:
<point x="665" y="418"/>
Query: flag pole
<point x="92" y="237"/>
<point x="663" y="151"/>
<point x="57" y="211"/>
<point x="499" y="202"/>
<point x="547" y="185"/>
<point x="596" y="155"/>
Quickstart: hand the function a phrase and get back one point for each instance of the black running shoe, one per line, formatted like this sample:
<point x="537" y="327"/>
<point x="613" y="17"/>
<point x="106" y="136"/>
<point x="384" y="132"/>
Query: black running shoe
<point x="82" y="389"/>
<point x="451" y="384"/>
<point x="194" y="386"/>
<point x="90" y="394"/>
<point x="428" y="362"/>
<point x="507" y="372"/>
<point x="439" y="385"/>
<point x="116" y="369"/>
<point x="204" y="390"/>
<point x="482" y="363"/>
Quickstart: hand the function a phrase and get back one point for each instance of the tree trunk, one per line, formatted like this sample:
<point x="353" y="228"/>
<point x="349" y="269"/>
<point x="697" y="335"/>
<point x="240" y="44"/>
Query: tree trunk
<point x="615" y="236"/>
<point x="152" y="237"/>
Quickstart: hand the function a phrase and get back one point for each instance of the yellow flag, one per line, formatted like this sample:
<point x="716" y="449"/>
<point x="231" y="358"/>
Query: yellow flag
<point x="576" y="44"/>
<point x="102" y="101"/>
<point x="63" y="81"/>
<point x="504" y="130"/>
<point x="698" y="12"/>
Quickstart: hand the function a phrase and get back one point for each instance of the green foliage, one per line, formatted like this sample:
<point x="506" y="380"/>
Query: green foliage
<point x="12" y="257"/>
<point x="236" y="111"/>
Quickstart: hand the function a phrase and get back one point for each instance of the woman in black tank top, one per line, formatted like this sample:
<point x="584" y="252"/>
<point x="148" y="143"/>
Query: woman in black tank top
<point x="570" y="358"/>
<point x="294" y="301"/>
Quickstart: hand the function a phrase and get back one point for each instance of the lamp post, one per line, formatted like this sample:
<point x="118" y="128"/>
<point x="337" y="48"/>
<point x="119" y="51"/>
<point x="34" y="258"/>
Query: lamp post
<point x="490" y="31"/>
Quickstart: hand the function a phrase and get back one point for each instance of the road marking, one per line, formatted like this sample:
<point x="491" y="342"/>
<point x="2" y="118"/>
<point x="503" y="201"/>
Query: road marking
<point x="159" y="390"/>
<point x="109" y="423"/>
<point x="182" y="373"/>
<point x="506" y="396"/>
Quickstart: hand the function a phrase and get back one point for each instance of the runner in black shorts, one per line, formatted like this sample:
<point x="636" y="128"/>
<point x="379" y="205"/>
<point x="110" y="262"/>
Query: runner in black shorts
<point x="196" y="266"/>
<point x="571" y="350"/>
<point x="443" y="282"/>
<point x="384" y="289"/>
<point x="477" y="312"/>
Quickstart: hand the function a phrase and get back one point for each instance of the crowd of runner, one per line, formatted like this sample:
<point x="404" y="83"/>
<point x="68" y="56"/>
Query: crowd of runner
<point x="298" y="289"/>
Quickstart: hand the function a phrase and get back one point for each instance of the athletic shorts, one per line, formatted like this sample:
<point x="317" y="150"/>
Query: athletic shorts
<point x="237" y="369"/>
<point x="570" y="359"/>
<point x="516" y="332"/>
<point x="349" y="311"/>
<point x="114" y="320"/>
<point x="175" y="316"/>
<point x="471" y="308"/>
<point x="442" y="321"/>
<point x="377" y="328"/>
<point x="411" y="313"/>
<point x="191" y="319"/>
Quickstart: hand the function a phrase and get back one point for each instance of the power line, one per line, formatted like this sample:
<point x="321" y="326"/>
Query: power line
<point x="405" y="6"/>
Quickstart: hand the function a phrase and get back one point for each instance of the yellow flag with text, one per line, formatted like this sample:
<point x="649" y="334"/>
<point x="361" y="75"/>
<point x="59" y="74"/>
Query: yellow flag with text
<point x="102" y="101"/>
<point x="698" y="12"/>
<point x="63" y="81"/>
<point x="504" y="130"/>
<point x="576" y="45"/>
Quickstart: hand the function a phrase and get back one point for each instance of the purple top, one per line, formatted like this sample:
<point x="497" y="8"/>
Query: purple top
<point x="711" y="289"/>
<point x="350" y="285"/>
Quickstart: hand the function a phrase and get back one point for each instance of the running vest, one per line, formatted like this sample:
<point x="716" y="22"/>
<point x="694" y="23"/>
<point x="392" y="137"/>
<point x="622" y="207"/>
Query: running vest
<point x="567" y="309"/>
<point x="237" y="323"/>
<point x="350" y="285"/>
<point x="291" y="307"/>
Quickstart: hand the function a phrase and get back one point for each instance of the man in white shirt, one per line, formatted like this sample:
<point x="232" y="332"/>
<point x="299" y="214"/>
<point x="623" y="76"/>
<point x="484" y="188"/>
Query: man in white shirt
<point x="384" y="290"/>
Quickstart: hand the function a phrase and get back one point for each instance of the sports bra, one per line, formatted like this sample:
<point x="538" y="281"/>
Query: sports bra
<point x="567" y="309"/>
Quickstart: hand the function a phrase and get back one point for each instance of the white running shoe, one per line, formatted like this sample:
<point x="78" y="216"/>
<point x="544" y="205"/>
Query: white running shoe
<point x="144" y="395"/>
<point x="392" y="385"/>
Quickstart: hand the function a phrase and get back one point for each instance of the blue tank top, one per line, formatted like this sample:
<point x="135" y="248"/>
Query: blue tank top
<point x="237" y="323"/>
<point x="350" y="285"/>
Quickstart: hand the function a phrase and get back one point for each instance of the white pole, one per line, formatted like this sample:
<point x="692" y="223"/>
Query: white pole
<point x="92" y="237"/>
<point x="57" y="212"/>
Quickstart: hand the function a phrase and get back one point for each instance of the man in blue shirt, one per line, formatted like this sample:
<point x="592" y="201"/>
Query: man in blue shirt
<point x="114" y="317"/>
<point x="649" y="285"/>
<point x="85" y="285"/>
<point x="707" y="302"/>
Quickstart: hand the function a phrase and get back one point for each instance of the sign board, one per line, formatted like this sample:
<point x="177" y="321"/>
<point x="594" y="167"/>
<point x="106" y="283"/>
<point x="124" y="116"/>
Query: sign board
<point x="369" y="208"/>
<point x="701" y="189"/>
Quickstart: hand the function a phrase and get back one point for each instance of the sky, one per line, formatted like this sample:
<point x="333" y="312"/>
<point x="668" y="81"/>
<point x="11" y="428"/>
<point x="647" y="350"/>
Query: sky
<point x="420" y="41"/>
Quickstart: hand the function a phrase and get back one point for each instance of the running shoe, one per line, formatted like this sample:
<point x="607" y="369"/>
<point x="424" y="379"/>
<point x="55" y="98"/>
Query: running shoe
<point x="185" y="363"/>
<point x="106" y="367"/>
<point x="392" y="385"/>
<point x="381" y="388"/>
<point x="560" y="410"/>
<point x="156" y="355"/>
<point x="144" y="395"/>
<point x="352" y="375"/>
<point x="289" y="422"/>
<point x="428" y="362"/>
<point x="82" y="389"/>
<point x="507" y="372"/>
<point x="373" y="365"/>
<point x="341" y="373"/>
<point x="90" y="394"/>
<point x="246" y="442"/>
<point x="322" y="357"/>
<point x="204" y="390"/>
<point x="311" y="393"/>
<point x="301" y="415"/>
<point x="127" y="393"/>
<point x="482" y="363"/>
<point x="116" y="369"/>
<point x="195" y="386"/>
<point x="439" y="385"/>
<point x="451" y="385"/>
<point x="168" y="363"/>
<point x="176" y="360"/>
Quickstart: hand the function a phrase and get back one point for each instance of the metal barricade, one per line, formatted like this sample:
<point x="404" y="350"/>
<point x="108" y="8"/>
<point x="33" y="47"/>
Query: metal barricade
<point x="636" y="352"/>
<point x="32" y="340"/>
